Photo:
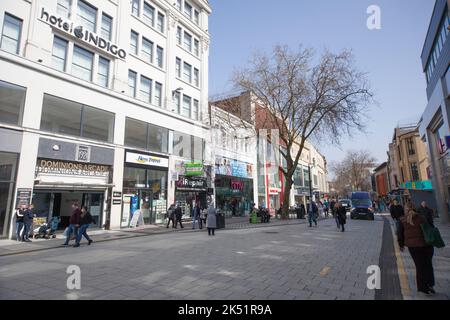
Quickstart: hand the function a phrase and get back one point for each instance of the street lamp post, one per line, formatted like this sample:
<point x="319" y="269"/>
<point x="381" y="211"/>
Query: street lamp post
<point x="310" y="187"/>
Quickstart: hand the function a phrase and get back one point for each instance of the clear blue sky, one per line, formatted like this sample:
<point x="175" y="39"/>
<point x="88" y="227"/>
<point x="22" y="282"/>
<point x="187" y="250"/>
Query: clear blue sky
<point x="391" y="55"/>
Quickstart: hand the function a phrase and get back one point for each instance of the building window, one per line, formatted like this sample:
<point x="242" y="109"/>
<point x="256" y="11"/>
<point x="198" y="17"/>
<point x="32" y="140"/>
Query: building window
<point x="12" y="99"/>
<point x="160" y="56"/>
<point x="139" y="134"/>
<point x="178" y="67"/>
<point x="147" y="50"/>
<point x="414" y="172"/>
<point x="196" y="47"/>
<point x="186" y="106"/>
<point x="399" y="153"/>
<point x="106" y="32"/>
<point x="411" y="148"/>
<point x="196" y="77"/>
<point x="197" y="148"/>
<point x="149" y="14"/>
<point x="12" y="29"/>
<point x="182" y="145"/>
<point x="146" y="89"/>
<point x="187" y="72"/>
<point x="161" y="21"/>
<point x="179" y="4"/>
<point x="135" y="4"/>
<point x="177" y="101"/>
<point x="132" y="81"/>
<point x="196" y="17"/>
<point x="403" y="174"/>
<point x="246" y="145"/>
<point x="134" y="42"/>
<point x="59" y="53"/>
<point x="82" y="62"/>
<point x="187" y="10"/>
<point x="195" y="110"/>
<point x="63" y="8"/>
<point x="103" y="72"/>
<point x="75" y="119"/>
<point x="187" y="41"/>
<point x="179" y="32"/>
<point x="87" y="16"/>
<point x="158" y="94"/>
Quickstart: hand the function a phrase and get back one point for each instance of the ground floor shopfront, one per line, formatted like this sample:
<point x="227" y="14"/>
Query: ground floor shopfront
<point x="234" y="196"/>
<point x="8" y="173"/>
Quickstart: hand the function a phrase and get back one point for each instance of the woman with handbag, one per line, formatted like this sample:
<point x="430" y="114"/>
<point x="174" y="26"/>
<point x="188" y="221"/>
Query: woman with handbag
<point x="410" y="234"/>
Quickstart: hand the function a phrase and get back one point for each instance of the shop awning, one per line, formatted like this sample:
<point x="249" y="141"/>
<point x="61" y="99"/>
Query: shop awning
<point x="64" y="186"/>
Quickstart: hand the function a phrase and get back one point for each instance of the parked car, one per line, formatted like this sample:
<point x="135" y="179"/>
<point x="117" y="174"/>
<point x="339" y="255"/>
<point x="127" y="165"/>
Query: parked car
<point x="362" y="206"/>
<point x="347" y="204"/>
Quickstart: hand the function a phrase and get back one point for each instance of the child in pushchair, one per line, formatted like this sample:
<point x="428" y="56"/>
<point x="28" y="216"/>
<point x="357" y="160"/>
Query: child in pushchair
<point x="47" y="230"/>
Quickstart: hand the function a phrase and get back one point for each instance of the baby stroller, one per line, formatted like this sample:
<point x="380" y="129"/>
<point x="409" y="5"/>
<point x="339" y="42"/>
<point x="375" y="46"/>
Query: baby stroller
<point x="47" y="230"/>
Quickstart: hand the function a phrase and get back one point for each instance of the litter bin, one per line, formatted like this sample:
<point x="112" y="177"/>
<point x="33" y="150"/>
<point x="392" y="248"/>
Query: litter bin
<point x="253" y="217"/>
<point x="220" y="220"/>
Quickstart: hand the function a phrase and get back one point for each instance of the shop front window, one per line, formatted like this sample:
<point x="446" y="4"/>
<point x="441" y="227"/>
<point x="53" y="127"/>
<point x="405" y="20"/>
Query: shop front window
<point x="8" y="168"/>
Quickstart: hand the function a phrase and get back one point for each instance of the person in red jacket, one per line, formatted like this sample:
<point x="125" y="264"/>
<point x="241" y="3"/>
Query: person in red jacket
<point x="74" y="222"/>
<point x="409" y="234"/>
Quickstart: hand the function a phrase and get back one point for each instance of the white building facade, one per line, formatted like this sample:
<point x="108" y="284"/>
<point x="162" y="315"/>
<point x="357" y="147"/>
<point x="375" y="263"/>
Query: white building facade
<point x="102" y="102"/>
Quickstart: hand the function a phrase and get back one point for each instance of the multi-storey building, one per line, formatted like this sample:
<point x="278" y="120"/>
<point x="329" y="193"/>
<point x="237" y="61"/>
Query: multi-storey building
<point x="434" y="126"/>
<point x="409" y="160"/>
<point x="101" y="102"/>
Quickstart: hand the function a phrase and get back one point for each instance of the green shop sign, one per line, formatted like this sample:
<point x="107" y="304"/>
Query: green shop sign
<point x="418" y="185"/>
<point x="193" y="169"/>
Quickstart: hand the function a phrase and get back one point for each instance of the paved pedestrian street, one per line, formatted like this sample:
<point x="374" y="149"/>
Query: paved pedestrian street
<point x="281" y="262"/>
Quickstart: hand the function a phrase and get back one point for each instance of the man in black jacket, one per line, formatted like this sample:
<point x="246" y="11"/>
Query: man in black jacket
<point x="397" y="212"/>
<point x="27" y="222"/>
<point x="178" y="216"/>
<point x="426" y="212"/>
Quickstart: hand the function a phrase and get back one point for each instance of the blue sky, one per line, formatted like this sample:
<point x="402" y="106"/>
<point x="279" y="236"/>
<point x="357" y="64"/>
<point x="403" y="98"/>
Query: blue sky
<point x="391" y="55"/>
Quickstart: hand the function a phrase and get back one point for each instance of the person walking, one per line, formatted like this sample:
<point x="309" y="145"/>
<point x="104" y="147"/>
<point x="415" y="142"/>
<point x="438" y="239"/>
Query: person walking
<point x="196" y="216"/>
<point x="202" y="219"/>
<point x="74" y="222"/>
<point x="426" y="212"/>
<point x="336" y="207"/>
<point x="341" y="215"/>
<point x="19" y="222"/>
<point x="27" y="223"/>
<point x="312" y="213"/>
<point x="211" y="220"/>
<point x="178" y="216"/>
<point x="171" y="215"/>
<point x="409" y="234"/>
<point x="397" y="212"/>
<point x="85" y="220"/>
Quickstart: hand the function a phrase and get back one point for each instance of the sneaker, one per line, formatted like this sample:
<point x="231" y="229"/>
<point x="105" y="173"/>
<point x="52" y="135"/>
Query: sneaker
<point x="65" y="244"/>
<point x="76" y="245"/>
<point x="89" y="242"/>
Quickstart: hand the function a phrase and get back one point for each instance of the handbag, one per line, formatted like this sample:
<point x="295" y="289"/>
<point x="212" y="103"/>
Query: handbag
<point x="432" y="235"/>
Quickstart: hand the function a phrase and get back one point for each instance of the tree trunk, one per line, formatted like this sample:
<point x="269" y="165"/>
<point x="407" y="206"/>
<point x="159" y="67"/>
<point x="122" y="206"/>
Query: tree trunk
<point x="287" y="196"/>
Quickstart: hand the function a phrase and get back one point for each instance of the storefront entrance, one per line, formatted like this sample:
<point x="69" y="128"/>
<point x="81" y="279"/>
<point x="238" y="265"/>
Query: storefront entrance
<point x="56" y="203"/>
<point x="234" y="196"/>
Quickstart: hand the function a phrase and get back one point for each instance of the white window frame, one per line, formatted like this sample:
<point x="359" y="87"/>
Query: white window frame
<point x="110" y="31"/>
<point x="16" y="20"/>
<point x="99" y="75"/>
<point x="56" y="38"/>
<point x="134" y="49"/>
<point x="145" y="54"/>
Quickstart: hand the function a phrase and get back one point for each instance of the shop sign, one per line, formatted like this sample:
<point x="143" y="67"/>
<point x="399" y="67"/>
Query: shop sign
<point x="191" y="184"/>
<point x="117" y="202"/>
<point x="23" y="197"/>
<point x="80" y="33"/>
<point x="233" y="168"/>
<point x="237" y="185"/>
<point x="193" y="169"/>
<point x="147" y="160"/>
<point x="117" y="194"/>
<point x="57" y="167"/>
<point x="418" y="185"/>
<point x="274" y="191"/>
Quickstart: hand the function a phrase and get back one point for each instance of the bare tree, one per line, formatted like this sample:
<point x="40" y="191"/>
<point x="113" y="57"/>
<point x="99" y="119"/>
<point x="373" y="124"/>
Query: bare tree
<point x="303" y="100"/>
<point x="353" y="173"/>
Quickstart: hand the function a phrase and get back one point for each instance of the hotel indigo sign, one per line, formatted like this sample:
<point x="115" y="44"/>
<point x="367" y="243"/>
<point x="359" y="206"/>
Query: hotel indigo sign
<point x="82" y="34"/>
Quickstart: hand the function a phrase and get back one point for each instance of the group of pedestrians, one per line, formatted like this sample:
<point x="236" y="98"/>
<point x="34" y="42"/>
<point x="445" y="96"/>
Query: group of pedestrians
<point x="79" y="222"/>
<point x="408" y="222"/>
<point x="199" y="216"/>
<point x="24" y="221"/>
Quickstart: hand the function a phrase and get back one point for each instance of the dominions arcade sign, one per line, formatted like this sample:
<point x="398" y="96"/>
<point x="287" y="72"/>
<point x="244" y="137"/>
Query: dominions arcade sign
<point x="82" y="34"/>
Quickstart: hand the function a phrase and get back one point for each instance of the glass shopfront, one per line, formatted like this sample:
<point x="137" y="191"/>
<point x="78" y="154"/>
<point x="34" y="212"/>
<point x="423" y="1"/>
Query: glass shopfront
<point x="144" y="188"/>
<point x="234" y="196"/>
<point x="189" y="192"/>
<point x="8" y="169"/>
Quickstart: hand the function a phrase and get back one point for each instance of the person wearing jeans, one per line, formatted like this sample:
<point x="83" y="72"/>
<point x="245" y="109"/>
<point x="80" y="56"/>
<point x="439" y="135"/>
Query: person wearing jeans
<point x="27" y="223"/>
<point x="85" y="220"/>
<point x="74" y="222"/>
<point x="19" y="223"/>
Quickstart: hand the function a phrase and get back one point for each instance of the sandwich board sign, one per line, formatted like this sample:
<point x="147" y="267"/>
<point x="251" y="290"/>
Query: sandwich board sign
<point x="137" y="219"/>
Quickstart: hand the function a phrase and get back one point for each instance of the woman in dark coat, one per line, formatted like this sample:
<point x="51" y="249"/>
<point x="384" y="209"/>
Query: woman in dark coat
<point x="409" y="234"/>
